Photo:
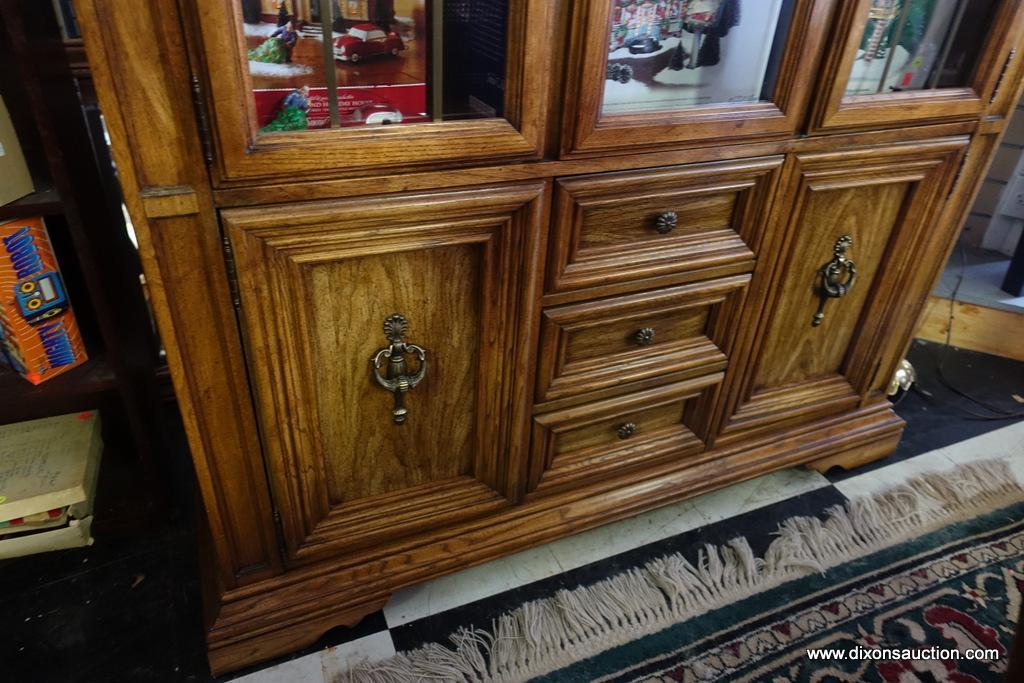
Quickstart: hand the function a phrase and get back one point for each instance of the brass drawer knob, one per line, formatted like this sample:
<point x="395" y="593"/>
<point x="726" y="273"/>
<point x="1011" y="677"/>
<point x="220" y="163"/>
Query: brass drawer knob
<point x="666" y="222"/>
<point x="644" y="336"/>
<point x="396" y="377"/>
<point x="626" y="430"/>
<point x="837" y="276"/>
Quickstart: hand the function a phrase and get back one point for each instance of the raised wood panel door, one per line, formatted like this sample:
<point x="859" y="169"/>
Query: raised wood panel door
<point x="873" y="207"/>
<point x="349" y="464"/>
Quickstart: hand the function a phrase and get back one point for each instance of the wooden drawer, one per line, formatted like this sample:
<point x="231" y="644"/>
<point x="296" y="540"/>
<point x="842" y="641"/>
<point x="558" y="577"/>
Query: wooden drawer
<point x="691" y="222"/>
<point x="604" y="347"/>
<point x="595" y="440"/>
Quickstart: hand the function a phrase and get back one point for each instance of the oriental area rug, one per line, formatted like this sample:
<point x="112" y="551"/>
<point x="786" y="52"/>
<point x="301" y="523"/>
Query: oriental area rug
<point x="922" y="582"/>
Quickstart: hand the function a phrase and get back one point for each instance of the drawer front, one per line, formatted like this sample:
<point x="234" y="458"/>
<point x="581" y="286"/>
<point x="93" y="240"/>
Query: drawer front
<point x="602" y="438"/>
<point x="605" y="347"/>
<point x="375" y="427"/>
<point x="618" y="228"/>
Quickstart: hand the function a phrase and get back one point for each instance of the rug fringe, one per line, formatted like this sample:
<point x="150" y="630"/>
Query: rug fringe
<point x="545" y="635"/>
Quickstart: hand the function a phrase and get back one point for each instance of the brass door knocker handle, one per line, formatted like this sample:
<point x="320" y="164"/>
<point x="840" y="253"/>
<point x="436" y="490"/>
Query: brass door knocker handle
<point x="395" y="378"/>
<point x="837" y="276"/>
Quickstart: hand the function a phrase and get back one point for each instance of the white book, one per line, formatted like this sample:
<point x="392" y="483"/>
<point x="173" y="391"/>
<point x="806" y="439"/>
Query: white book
<point x="49" y="463"/>
<point x="74" y="535"/>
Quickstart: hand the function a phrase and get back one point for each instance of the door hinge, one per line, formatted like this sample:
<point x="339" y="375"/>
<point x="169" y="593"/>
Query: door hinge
<point x="203" y="124"/>
<point x="229" y="262"/>
<point x="282" y="547"/>
<point x="1002" y="74"/>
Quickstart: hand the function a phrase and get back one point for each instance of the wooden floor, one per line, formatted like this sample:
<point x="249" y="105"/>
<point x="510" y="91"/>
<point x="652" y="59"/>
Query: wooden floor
<point x="977" y="328"/>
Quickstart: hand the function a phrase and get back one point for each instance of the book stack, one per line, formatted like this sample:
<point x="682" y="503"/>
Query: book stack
<point x="48" y="471"/>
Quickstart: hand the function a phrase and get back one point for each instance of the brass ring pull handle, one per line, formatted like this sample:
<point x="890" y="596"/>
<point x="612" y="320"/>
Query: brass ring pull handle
<point x="666" y="222"/>
<point x="395" y="378"/>
<point x="644" y="336"/>
<point x="626" y="430"/>
<point x="837" y="276"/>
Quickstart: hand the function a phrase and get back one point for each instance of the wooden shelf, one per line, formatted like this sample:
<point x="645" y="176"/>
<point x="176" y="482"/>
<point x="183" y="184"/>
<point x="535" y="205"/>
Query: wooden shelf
<point x="40" y="203"/>
<point x="77" y="389"/>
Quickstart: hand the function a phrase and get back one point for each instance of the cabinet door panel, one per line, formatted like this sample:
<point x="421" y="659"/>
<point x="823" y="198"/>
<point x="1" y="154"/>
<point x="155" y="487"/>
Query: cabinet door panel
<point x="438" y="290"/>
<point x="799" y="351"/>
<point x="885" y="200"/>
<point x="914" y="60"/>
<point x="667" y="74"/>
<point x="317" y="282"/>
<point x="390" y="94"/>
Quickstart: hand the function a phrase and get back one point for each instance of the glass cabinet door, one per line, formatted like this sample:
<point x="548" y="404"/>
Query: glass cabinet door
<point x="907" y="60"/>
<point x="315" y="87"/>
<point x="662" y="71"/>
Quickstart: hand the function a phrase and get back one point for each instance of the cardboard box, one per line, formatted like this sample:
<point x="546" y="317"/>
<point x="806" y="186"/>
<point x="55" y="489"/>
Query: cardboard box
<point x="48" y="474"/>
<point x="15" y="181"/>
<point x="40" y="338"/>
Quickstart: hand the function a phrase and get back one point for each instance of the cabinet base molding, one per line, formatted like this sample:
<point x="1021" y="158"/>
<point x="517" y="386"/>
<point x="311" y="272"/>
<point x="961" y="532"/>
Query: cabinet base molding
<point x="855" y="458"/>
<point x="280" y="615"/>
<point x="237" y="651"/>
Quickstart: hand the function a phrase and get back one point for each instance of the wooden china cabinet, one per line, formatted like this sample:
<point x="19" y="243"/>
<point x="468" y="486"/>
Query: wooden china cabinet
<point x="536" y="266"/>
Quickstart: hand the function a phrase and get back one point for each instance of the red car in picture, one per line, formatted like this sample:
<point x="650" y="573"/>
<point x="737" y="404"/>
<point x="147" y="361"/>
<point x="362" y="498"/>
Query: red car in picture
<point x="364" y="41"/>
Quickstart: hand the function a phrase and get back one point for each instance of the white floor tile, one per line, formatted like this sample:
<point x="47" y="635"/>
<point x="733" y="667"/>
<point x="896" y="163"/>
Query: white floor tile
<point x="371" y="648"/>
<point x="894" y="474"/>
<point x="306" y="669"/>
<point x="1005" y="443"/>
<point x="596" y="544"/>
<point x="757" y="493"/>
<point x="472" y="584"/>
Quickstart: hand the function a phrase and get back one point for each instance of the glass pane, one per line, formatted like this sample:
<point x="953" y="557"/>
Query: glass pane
<point x="919" y="44"/>
<point x="386" y="62"/>
<point x="666" y="55"/>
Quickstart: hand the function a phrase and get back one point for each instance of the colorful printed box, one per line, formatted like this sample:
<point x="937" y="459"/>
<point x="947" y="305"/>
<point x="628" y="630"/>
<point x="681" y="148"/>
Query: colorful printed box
<point x="40" y="338"/>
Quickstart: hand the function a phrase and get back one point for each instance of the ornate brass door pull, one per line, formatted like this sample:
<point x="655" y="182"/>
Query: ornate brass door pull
<point x="395" y="378"/>
<point x="837" y="276"/>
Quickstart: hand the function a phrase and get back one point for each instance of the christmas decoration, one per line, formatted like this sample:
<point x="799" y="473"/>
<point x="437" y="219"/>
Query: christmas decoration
<point x="277" y="49"/>
<point x="293" y="114"/>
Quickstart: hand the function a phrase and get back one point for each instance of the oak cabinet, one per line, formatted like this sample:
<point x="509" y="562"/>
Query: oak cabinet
<point x="532" y="266"/>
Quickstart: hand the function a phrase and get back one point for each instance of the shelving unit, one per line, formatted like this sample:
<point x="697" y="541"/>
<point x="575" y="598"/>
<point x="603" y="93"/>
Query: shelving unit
<point x="48" y="91"/>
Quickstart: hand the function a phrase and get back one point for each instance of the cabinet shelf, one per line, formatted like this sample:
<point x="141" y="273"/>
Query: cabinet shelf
<point x="45" y="202"/>
<point x="77" y="389"/>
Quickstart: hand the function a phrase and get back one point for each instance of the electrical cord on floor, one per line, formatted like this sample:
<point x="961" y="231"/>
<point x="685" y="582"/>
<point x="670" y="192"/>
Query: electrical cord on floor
<point x="1000" y="413"/>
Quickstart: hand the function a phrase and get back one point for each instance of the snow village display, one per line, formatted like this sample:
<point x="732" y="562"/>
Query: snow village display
<point x="379" y="62"/>
<point x="39" y="338"/>
<point x="667" y="55"/>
